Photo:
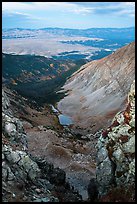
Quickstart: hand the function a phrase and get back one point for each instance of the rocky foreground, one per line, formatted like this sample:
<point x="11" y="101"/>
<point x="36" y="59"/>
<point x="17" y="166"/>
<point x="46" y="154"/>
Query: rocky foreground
<point x="115" y="171"/>
<point x="31" y="171"/>
<point x="25" y="178"/>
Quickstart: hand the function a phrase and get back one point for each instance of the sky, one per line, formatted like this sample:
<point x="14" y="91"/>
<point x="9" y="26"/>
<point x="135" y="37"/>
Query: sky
<point x="79" y="15"/>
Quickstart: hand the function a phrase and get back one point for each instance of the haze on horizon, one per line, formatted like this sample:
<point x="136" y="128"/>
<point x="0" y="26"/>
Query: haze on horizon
<point x="80" y="15"/>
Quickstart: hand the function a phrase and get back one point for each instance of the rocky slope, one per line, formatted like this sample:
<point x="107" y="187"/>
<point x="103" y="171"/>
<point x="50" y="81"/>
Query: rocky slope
<point x="26" y="178"/>
<point x="115" y="170"/>
<point x="97" y="91"/>
<point x="46" y="138"/>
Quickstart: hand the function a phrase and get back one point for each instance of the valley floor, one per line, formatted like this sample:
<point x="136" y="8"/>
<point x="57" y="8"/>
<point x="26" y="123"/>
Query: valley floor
<point x="62" y="148"/>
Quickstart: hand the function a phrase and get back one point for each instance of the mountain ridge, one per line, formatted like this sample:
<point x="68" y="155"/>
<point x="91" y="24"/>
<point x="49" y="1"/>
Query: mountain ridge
<point x="99" y="88"/>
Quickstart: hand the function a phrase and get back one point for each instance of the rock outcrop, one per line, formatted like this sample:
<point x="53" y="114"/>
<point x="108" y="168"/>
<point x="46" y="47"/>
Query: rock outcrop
<point x="26" y="178"/>
<point x="115" y="170"/>
<point x="17" y="166"/>
<point x="97" y="91"/>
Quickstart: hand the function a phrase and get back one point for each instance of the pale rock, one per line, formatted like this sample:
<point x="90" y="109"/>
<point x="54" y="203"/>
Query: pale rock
<point x="10" y="128"/>
<point x="3" y="157"/>
<point x="118" y="155"/>
<point x="132" y="167"/>
<point x="129" y="147"/>
<point x="105" y="172"/>
<point x="132" y="121"/>
<point x="13" y="157"/>
<point x="102" y="154"/>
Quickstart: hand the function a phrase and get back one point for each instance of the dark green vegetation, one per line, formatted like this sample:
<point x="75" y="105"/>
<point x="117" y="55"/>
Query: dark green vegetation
<point x="69" y="56"/>
<point x="18" y="66"/>
<point x="36" y="77"/>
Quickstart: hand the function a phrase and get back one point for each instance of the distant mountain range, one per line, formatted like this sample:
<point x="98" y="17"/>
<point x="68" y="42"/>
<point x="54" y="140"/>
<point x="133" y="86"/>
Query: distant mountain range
<point x="92" y="43"/>
<point x="90" y="32"/>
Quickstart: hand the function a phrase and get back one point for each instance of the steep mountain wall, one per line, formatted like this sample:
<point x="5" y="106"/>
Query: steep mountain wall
<point x="97" y="91"/>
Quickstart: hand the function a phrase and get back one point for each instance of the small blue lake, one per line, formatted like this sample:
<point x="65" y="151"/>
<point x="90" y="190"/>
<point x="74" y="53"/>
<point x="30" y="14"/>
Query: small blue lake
<point x="65" y="120"/>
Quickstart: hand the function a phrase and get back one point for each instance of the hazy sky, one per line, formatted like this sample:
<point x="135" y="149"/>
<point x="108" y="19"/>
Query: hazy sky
<point x="67" y="14"/>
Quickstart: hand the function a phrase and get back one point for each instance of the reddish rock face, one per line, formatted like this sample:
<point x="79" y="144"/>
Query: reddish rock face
<point x="103" y="86"/>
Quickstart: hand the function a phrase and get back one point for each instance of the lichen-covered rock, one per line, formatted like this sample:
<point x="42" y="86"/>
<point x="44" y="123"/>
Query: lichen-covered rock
<point x="102" y="155"/>
<point x="17" y="166"/>
<point x="30" y="167"/>
<point x="47" y="199"/>
<point x="5" y="101"/>
<point x="129" y="147"/>
<point x="10" y="128"/>
<point x="105" y="175"/>
<point x="13" y="131"/>
<point x="6" y="172"/>
<point x="118" y="155"/>
<point x="116" y="149"/>
<point x="21" y="162"/>
<point x="11" y="156"/>
<point x="26" y="178"/>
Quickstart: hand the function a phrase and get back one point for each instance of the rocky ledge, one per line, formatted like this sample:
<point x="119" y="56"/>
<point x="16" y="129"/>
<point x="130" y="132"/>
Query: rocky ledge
<point x="115" y="170"/>
<point x="25" y="178"/>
